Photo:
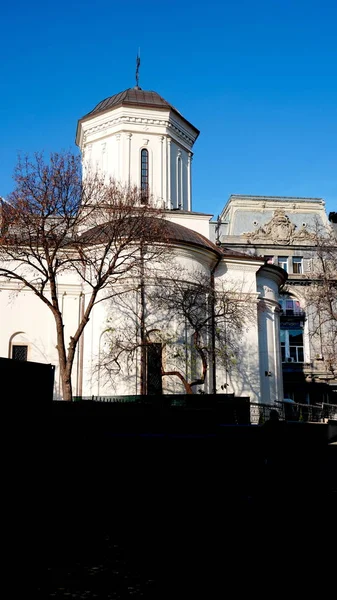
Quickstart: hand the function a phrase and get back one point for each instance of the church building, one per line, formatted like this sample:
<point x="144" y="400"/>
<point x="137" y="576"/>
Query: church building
<point x="138" y="138"/>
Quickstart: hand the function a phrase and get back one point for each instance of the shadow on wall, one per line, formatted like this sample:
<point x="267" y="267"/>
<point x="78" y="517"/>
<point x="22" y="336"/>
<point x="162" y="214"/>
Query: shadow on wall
<point x="241" y="380"/>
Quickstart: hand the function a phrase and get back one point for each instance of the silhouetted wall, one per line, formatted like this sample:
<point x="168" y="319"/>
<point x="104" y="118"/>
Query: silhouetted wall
<point x="25" y="381"/>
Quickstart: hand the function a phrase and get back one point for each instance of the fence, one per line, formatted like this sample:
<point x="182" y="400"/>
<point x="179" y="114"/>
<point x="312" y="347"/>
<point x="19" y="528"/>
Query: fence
<point x="292" y="411"/>
<point x="259" y="413"/>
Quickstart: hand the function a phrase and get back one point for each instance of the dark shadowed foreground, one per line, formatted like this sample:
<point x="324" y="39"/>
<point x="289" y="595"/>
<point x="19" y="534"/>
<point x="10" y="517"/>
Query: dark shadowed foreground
<point x="191" y="509"/>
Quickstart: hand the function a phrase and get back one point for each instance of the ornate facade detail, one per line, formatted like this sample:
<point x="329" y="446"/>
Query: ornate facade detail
<point x="279" y="230"/>
<point x="102" y="127"/>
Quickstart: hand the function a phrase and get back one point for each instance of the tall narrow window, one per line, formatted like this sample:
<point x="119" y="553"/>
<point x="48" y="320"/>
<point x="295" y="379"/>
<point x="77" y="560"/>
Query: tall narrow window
<point x="144" y="179"/>
<point x="154" y="366"/>
<point x="283" y="262"/>
<point x="297" y="265"/>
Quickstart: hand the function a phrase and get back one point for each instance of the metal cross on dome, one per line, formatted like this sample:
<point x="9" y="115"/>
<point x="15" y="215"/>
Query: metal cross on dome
<point x="137" y="68"/>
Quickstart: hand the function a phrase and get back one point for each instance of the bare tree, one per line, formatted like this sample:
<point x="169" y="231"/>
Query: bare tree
<point x="54" y="223"/>
<point x="196" y="322"/>
<point x="212" y="314"/>
<point x="321" y="295"/>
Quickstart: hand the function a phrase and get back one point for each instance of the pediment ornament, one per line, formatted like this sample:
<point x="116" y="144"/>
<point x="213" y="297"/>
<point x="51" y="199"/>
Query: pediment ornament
<point x="279" y="230"/>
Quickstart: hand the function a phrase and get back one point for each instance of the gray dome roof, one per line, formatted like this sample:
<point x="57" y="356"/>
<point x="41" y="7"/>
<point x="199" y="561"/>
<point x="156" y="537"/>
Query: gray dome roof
<point x="165" y="229"/>
<point x="172" y="232"/>
<point x="134" y="97"/>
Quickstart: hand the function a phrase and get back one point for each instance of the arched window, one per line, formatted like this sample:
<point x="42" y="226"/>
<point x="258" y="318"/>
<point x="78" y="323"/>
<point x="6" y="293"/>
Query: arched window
<point x="144" y="177"/>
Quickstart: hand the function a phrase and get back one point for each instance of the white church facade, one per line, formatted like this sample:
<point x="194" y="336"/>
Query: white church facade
<point x="138" y="138"/>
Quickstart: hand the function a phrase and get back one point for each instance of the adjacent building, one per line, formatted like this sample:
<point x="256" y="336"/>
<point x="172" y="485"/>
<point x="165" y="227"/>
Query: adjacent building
<point x="286" y="232"/>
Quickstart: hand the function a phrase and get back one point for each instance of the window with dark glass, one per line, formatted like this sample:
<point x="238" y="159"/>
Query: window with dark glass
<point x="292" y="345"/>
<point x="297" y="264"/>
<point x="283" y="262"/>
<point x="144" y="178"/>
<point x="154" y="368"/>
<point x="19" y="352"/>
<point x="291" y="307"/>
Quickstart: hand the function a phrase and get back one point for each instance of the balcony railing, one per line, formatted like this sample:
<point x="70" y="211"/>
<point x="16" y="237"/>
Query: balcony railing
<point x="292" y="312"/>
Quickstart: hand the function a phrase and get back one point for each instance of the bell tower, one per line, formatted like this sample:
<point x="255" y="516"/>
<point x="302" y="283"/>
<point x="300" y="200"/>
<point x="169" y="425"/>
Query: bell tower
<point x="138" y="138"/>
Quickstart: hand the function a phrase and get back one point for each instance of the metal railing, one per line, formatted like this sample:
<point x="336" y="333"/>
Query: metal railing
<point x="293" y="411"/>
<point x="112" y="399"/>
<point x="292" y="312"/>
<point x="259" y="413"/>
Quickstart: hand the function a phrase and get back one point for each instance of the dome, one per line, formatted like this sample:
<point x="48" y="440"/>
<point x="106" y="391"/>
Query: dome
<point x="168" y="230"/>
<point x="135" y="97"/>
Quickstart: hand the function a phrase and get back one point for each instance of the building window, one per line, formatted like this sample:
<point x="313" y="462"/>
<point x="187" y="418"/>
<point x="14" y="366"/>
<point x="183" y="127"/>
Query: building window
<point x="283" y="262"/>
<point x="154" y="368"/>
<point x="269" y="259"/>
<point x="291" y="307"/>
<point x="297" y="264"/>
<point x="292" y="345"/>
<point x="19" y="352"/>
<point x="144" y="178"/>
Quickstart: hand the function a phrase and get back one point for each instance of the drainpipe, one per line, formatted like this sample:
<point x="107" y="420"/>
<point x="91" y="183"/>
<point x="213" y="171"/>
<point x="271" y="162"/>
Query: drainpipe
<point x="62" y="313"/>
<point x="80" y="348"/>
<point x="143" y="386"/>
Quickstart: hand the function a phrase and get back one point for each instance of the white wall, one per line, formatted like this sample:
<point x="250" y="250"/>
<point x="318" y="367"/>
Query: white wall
<point x="112" y="143"/>
<point x="269" y="339"/>
<point x="242" y="377"/>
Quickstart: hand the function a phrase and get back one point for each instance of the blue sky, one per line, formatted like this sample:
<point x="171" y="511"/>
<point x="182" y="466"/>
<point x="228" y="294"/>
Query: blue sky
<point x="257" y="77"/>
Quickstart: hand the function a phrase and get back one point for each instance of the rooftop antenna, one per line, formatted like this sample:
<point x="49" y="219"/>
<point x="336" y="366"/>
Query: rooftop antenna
<point x="137" y="69"/>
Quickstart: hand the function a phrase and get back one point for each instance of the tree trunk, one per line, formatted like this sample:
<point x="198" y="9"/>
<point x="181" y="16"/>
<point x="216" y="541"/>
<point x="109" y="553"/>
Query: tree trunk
<point x="65" y="371"/>
<point x="67" y="389"/>
<point x="65" y="374"/>
<point x="187" y="386"/>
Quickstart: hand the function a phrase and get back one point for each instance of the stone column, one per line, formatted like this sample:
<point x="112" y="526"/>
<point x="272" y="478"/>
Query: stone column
<point x="278" y="356"/>
<point x="129" y="137"/>
<point x="178" y="180"/>
<point x="269" y="349"/>
<point x="189" y="181"/>
<point x="162" y="169"/>
<point x="118" y="153"/>
<point x="168" y="149"/>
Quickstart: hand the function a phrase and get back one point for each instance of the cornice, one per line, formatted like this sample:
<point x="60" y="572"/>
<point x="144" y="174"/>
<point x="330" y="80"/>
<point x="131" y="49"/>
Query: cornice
<point x="239" y="264"/>
<point x="62" y="288"/>
<point x="137" y="121"/>
<point x="268" y="203"/>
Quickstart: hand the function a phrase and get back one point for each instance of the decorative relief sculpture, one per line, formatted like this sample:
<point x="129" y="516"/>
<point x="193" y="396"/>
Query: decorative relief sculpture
<point x="279" y="230"/>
